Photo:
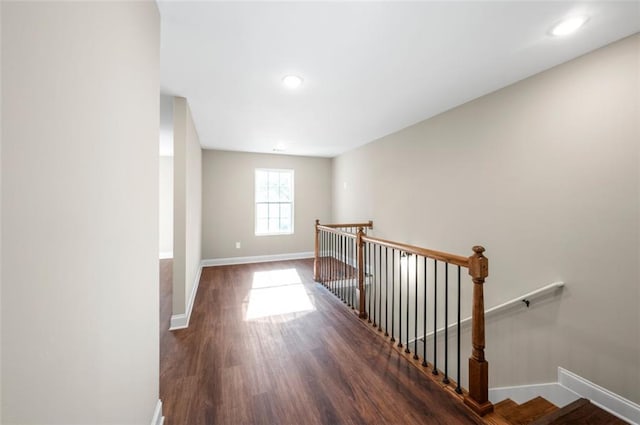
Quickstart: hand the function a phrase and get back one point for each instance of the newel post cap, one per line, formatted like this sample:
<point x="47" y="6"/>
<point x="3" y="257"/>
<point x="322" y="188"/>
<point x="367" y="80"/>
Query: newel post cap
<point x="478" y="264"/>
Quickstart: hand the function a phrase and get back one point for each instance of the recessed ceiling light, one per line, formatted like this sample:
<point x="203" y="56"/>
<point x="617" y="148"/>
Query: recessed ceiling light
<point x="568" y="26"/>
<point x="292" y="81"/>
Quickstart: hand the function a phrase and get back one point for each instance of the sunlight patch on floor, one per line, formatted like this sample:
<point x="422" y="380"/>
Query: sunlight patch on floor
<point x="275" y="293"/>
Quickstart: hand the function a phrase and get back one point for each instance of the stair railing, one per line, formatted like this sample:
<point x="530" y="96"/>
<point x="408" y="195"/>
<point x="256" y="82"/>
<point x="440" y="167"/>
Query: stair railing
<point x="336" y="259"/>
<point x="372" y="274"/>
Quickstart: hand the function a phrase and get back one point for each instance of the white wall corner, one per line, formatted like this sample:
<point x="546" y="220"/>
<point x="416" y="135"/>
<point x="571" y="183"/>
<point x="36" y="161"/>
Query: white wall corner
<point x="181" y="321"/>
<point x="601" y="397"/>
<point x="157" y="418"/>
<point x="166" y="255"/>
<point x="257" y="259"/>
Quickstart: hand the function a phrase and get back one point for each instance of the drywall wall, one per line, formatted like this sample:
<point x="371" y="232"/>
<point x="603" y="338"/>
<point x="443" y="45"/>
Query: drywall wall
<point x="0" y="211"/>
<point x="637" y="129"/>
<point x="79" y="212"/>
<point x="166" y="125"/>
<point x="544" y="174"/>
<point x="165" y="203"/>
<point x="187" y="205"/>
<point x="228" y="203"/>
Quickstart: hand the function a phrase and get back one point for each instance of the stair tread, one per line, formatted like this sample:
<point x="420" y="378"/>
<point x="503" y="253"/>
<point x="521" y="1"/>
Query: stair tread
<point x="538" y="402"/>
<point x="526" y="413"/>
<point x="581" y="411"/>
<point x="548" y="419"/>
<point x="507" y="403"/>
<point x="506" y="408"/>
<point x="495" y="417"/>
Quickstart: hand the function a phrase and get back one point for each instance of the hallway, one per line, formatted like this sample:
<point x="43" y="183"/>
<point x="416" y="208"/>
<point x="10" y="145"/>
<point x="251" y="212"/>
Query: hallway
<point x="248" y="357"/>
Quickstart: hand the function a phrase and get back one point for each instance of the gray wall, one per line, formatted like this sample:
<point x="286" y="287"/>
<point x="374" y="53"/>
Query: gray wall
<point x="187" y="204"/>
<point x="79" y="212"/>
<point x="1" y="132"/>
<point x="544" y="174"/>
<point x="165" y="203"/>
<point x="228" y="203"/>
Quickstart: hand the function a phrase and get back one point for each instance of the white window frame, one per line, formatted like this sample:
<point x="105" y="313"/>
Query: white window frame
<point x="255" y="201"/>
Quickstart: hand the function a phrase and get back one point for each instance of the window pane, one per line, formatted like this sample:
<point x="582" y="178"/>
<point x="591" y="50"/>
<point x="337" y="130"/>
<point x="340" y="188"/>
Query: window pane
<point x="262" y="186"/>
<point x="274" y="201"/>
<point x="285" y="225"/>
<point x="262" y="193"/>
<point x="262" y="211"/>
<point x="274" y="177"/>
<point x="285" y="194"/>
<point x="273" y="190"/>
<point x="285" y="178"/>
<point x="285" y="210"/>
<point x="285" y="186"/>
<point x="262" y="226"/>
<point x="274" y="210"/>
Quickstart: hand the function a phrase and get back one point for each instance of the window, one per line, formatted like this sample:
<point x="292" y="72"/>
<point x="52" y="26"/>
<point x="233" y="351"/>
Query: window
<point x="274" y="202"/>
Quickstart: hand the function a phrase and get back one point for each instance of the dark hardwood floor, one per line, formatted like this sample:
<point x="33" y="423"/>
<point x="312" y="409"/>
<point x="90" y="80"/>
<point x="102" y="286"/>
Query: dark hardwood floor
<point x="267" y="345"/>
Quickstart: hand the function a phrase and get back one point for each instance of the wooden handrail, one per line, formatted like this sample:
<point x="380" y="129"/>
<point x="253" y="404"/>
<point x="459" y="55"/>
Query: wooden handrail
<point x="369" y="225"/>
<point x="458" y="260"/>
<point x="477" y="397"/>
<point x="336" y="231"/>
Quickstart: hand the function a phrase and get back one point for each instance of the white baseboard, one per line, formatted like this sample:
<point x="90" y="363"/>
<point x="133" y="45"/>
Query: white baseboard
<point x="181" y="321"/>
<point x="553" y="391"/>
<point x="601" y="397"/>
<point x="256" y="259"/>
<point x="166" y="255"/>
<point x="569" y="388"/>
<point x="157" y="418"/>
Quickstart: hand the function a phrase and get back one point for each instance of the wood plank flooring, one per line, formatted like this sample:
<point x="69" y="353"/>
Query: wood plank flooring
<point x="250" y="357"/>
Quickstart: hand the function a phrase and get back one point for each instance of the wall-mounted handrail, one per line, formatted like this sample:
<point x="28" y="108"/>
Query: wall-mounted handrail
<point x="336" y="245"/>
<point x="522" y="300"/>
<point x="458" y="260"/>
<point x="526" y="297"/>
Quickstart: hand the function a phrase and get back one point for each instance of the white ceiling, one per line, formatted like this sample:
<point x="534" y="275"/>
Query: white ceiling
<point x="369" y="68"/>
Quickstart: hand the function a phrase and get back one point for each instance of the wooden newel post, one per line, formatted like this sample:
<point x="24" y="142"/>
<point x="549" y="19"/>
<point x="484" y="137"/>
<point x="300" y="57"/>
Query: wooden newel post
<point x="360" y="250"/>
<point x="316" y="259"/>
<point x="478" y="396"/>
